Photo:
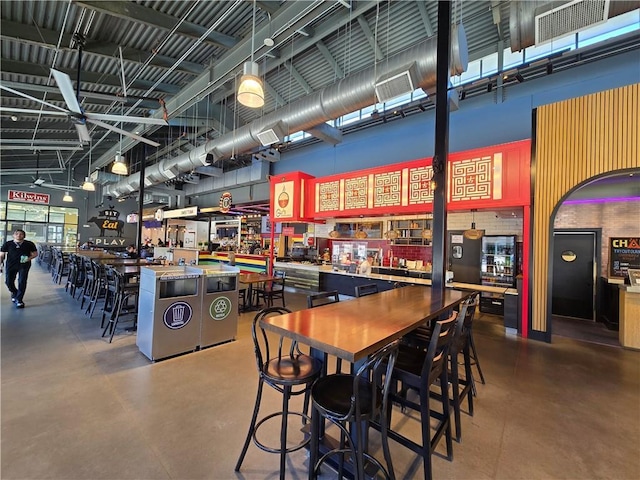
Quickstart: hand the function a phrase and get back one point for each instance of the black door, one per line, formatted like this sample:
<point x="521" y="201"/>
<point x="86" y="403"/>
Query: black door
<point x="464" y="257"/>
<point x="573" y="275"/>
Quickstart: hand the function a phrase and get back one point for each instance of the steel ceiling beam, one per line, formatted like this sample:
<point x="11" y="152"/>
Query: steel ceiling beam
<point x="42" y="37"/>
<point x="154" y="18"/>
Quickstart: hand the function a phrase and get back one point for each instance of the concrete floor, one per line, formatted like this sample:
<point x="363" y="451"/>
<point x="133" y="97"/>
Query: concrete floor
<point x="77" y="407"/>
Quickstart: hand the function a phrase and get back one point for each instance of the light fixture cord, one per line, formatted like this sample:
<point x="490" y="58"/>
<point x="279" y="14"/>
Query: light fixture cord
<point x="253" y="30"/>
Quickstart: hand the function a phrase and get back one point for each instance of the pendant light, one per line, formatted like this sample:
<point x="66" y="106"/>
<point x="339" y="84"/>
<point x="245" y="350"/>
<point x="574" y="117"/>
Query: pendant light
<point x="119" y="166"/>
<point x="67" y="196"/>
<point x="473" y="233"/>
<point x="88" y="185"/>
<point x="251" y="91"/>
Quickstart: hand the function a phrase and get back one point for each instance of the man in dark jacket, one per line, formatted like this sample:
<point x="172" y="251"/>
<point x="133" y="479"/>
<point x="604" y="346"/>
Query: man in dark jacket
<point x="19" y="253"/>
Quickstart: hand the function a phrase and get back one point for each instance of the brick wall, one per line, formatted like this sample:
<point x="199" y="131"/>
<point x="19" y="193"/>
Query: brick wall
<point x="616" y="219"/>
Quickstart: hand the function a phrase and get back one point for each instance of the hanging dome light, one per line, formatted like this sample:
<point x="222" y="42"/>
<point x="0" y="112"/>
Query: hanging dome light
<point x="67" y="197"/>
<point x="250" y="91"/>
<point x="473" y="233"/>
<point x="119" y="166"/>
<point x="88" y="185"/>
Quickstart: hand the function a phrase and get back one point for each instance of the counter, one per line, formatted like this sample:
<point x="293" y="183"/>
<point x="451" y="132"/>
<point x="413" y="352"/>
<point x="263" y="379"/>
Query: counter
<point x="386" y="282"/>
<point x="300" y="276"/>
<point x="245" y="262"/>
<point x="629" y="318"/>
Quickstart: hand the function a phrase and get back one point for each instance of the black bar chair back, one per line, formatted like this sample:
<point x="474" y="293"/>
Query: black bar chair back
<point x="419" y="370"/>
<point x="367" y="289"/>
<point x="317" y="300"/>
<point x="351" y="402"/>
<point x="289" y="372"/>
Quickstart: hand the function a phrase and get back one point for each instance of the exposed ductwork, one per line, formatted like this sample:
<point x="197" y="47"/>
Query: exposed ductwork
<point x="550" y="19"/>
<point x="346" y="96"/>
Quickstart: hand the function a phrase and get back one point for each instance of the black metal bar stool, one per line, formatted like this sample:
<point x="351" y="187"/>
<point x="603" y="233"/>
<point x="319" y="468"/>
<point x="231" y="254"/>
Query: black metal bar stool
<point x="351" y="402"/>
<point x="291" y="373"/>
<point x="418" y="370"/>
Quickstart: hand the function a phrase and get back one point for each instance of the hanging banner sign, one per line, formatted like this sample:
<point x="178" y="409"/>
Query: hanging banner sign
<point x="181" y="212"/>
<point x="29" y="197"/>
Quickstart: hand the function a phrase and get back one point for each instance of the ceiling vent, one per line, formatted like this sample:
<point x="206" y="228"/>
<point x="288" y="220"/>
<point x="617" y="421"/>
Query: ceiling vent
<point x="570" y="18"/>
<point x="272" y="135"/>
<point x="155" y="199"/>
<point x="102" y="178"/>
<point x="396" y="83"/>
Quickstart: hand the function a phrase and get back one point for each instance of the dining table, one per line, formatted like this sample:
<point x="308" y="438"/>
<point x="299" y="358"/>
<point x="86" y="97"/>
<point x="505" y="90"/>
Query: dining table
<point x="354" y="329"/>
<point x="250" y="279"/>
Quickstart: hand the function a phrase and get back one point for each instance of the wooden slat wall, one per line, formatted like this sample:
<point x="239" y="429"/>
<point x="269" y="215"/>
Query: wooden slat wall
<point x="575" y="140"/>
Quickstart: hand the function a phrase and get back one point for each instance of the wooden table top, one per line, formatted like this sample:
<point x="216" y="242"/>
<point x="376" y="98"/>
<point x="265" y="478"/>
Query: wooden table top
<point x="255" y="277"/>
<point x="124" y="261"/>
<point x="127" y="269"/>
<point x="353" y="329"/>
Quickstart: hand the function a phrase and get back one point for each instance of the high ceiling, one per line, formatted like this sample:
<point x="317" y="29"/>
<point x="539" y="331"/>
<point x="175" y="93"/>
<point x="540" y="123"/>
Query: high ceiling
<point x="181" y="60"/>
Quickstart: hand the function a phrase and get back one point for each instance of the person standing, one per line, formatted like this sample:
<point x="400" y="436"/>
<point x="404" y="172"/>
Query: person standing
<point x="365" y="266"/>
<point x="19" y="253"/>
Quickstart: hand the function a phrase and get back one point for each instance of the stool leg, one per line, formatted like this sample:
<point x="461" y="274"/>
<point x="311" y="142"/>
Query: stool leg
<point x="468" y="373"/>
<point x="252" y="426"/>
<point x="475" y="357"/>
<point x="426" y="434"/>
<point x="455" y="388"/>
<point x="286" y="394"/>
<point x="315" y="443"/>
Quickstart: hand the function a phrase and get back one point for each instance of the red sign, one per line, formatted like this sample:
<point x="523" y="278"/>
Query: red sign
<point x="30" y="197"/>
<point x="225" y="202"/>
<point x="288" y="231"/>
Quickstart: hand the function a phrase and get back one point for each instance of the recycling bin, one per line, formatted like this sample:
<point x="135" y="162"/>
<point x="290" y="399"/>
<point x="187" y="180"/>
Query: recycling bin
<point x="169" y="310"/>
<point x="219" y="294"/>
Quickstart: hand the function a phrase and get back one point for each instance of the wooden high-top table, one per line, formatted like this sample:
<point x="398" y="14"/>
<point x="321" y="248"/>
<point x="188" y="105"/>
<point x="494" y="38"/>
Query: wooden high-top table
<point x="353" y="329"/>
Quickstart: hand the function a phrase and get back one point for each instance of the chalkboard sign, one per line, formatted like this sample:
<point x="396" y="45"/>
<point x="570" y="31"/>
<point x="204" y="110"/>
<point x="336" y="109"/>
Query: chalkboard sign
<point x="624" y="253"/>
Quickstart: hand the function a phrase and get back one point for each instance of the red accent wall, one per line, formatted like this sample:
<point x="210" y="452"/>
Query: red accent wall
<point x="491" y="177"/>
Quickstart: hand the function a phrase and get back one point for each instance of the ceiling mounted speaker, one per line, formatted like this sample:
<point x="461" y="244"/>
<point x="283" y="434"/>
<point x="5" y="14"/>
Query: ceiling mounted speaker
<point x="272" y="135"/>
<point x="396" y="83"/>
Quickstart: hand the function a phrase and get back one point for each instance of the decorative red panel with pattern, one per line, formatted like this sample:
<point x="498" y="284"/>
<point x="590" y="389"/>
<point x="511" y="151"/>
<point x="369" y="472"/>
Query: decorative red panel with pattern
<point x="491" y="177"/>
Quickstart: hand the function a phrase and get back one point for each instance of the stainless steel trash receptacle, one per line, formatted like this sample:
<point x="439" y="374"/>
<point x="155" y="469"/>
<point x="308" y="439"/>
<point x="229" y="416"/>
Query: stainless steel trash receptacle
<point x="219" y="304"/>
<point x="169" y="311"/>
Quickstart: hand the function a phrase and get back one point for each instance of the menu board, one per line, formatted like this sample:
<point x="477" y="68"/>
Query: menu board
<point x="624" y="253"/>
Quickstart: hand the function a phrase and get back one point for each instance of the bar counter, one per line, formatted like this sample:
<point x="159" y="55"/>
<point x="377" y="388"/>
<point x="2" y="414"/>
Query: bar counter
<point x="315" y="278"/>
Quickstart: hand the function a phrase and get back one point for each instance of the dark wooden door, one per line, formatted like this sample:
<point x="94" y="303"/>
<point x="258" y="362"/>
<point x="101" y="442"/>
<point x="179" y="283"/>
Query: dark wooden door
<point x="464" y="257"/>
<point x="573" y="274"/>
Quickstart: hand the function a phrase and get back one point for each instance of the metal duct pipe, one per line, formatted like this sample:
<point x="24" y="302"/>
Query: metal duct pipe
<point x="522" y="17"/>
<point x="346" y="96"/>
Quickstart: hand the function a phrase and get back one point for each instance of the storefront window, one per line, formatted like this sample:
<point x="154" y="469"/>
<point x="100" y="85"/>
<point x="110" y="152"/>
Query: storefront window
<point x="54" y="225"/>
<point x="3" y="211"/>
